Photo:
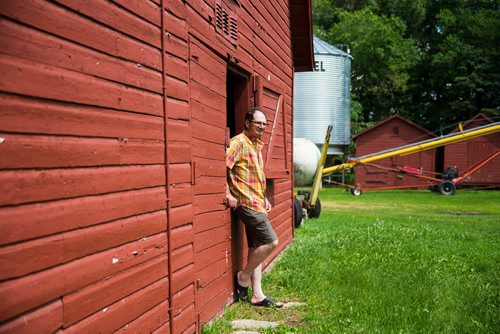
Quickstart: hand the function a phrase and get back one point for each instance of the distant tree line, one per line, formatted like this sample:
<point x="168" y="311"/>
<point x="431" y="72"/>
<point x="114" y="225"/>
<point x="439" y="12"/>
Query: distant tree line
<point x="434" y="62"/>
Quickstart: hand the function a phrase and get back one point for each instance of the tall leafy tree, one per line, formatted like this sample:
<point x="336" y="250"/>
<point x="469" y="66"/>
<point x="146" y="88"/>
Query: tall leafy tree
<point x="433" y="61"/>
<point x="458" y="75"/>
<point x="382" y="59"/>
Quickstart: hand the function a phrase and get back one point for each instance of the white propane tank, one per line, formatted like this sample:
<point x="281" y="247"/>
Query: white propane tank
<point x="305" y="160"/>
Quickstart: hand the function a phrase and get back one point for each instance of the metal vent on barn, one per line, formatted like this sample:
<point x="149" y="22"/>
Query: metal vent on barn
<point x="226" y="23"/>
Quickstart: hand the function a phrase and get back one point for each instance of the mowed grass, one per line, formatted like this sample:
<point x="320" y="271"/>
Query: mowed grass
<point x="389" y="262"/>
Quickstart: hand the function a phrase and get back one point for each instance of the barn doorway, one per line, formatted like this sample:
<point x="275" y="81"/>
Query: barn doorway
<point x="237" y="102"/>
<point x="238" y="96"/>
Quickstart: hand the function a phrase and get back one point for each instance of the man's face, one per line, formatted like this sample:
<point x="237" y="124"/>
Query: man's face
<point x="257" y="126"/>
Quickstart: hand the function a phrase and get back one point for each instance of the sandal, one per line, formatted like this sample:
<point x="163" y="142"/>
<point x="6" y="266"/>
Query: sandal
<point x="268" y="302"/>
<point x="241" y="291"/>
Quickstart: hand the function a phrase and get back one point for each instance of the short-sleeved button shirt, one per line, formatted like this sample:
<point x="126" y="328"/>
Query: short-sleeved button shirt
<point x="245" y="169"/>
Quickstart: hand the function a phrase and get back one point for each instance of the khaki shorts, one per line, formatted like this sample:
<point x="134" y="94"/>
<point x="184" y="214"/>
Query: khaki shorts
<point x="257" y="227"/>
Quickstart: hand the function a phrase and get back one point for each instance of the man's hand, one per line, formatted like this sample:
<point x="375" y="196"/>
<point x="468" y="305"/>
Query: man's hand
<point x="268" y="206"/>
<point x="231" y="201"/>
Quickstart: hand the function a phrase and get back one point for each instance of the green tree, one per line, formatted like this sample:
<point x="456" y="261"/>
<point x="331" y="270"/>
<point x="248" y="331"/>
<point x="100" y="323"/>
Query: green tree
<point x="433" y="61"/>
<point x="458" y="75"/>
<point x="382" y="59"/>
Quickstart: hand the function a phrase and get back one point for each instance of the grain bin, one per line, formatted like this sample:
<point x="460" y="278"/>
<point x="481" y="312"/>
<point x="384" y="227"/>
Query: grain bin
<point x="322" y="98"/>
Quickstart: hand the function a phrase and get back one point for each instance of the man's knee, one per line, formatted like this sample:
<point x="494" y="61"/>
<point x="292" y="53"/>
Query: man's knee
<point x="274" y="244"/>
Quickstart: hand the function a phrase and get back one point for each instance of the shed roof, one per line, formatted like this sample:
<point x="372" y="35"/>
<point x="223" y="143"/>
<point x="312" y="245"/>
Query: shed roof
<point x="478" y="120"/>
<point x="389" y="119"/>
<point x="302" y="45"/>
<point x="322" y="47"/>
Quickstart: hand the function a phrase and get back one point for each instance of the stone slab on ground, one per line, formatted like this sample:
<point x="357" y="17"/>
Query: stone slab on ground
<point x="293" y="304"/>
<point x="250" y="323"/>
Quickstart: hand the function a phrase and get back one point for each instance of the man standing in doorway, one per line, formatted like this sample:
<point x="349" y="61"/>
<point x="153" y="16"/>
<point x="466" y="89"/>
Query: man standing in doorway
<point x="245" y="191"/>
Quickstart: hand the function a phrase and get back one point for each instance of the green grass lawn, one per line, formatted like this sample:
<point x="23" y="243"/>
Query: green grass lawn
<point x="389" y="262"/>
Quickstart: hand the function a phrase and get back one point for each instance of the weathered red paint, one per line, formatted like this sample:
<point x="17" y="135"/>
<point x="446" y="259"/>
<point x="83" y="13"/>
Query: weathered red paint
<point x="464" y="155"/>
<point x="112" y="134"/>
<point x="46" y="319"/>
<point x="390" y="133"/>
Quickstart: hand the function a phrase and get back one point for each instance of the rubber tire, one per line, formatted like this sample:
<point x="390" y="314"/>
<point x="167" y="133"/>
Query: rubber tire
<point x="356" y="191"/>
<point x="316" y="211"/>
<point x="298" y="215"/>
<point x="447" y="188"/>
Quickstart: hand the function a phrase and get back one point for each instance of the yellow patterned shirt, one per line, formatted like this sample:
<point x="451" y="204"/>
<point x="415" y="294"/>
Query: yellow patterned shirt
<point x="245" y="170"/>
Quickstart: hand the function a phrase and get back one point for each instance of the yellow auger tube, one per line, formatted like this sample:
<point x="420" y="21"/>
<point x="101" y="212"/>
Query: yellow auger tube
<point x="417" y="147"/>
<point x="311" y="203"/>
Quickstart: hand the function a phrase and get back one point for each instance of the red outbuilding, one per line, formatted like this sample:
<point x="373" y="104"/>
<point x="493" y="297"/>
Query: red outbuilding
<point x="392" y="132"/>
<point x="114" y="120"/>
<point x="465" y="155"/>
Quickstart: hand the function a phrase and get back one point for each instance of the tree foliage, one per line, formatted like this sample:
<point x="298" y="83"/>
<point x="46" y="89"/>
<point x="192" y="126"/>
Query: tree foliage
<point x="432" y="61"/>
<point x="382" y="59"/>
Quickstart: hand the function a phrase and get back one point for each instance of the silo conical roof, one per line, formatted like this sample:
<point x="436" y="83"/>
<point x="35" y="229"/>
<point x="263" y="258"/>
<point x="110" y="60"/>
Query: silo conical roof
<point x="323" y="48"/>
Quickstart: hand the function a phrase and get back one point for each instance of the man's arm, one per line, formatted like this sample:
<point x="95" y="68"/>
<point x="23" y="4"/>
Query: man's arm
<point x="268" y="205"/>
<point x="231" y="201"/>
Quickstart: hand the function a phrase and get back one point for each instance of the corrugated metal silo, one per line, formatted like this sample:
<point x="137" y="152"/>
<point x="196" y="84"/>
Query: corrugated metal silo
<point x="322" y="98"/>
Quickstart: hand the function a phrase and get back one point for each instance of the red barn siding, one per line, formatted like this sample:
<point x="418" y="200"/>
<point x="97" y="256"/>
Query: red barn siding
<point x="382" y="137"/>
<point x="464" y="155"/>
<point x="112" y="176"/>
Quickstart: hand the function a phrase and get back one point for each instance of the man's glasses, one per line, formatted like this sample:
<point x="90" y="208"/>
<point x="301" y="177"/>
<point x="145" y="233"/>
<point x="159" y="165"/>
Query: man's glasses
<point x="259" y="123"/>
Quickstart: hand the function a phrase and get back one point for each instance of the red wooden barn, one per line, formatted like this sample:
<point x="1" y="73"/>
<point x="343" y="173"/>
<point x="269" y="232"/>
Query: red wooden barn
<point x="464" y="155"/>
<point x="390" y="133"/>
<point x="113" y="129"/>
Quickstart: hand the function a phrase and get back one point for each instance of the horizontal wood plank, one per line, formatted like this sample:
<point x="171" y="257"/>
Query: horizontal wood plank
<point x="209" y="220"/>
<point x="30" y="44"/>
<point x="17" y="187"/>
<point x="207" y="97"/>
<point x="179" y="152"/>
<point x="27" y="257"/>
<point x="210" y="273"/>
<point x="25" y="222"/>
<point x="181" y="194"/>
<point x="29" y="78"/>
<point x="208" y="185"/>
<point x="207" y="131"/>
<point x="148" y="322"/>
<point x="26" y="115"/>
<point x="183" y="278"/>
<point x="206" y="114"/>
<point x="23" y="294"/>
<point x="182" y="236"/>
<point x="181" y="215"/>
<point x="68" y="25"/>
<point x="177" y="109"/>
<point x="185" y="320"/>
<point x="207" y="203"/>
<point x="23" y="151"/>
<point x="205" y="149"/>
<point x="46" y="319"/>
<point x="211" y="167"/>
<point x="176" y="26"/>
<point x="222" y="285"/>
<point x="209" y="256"/>
<point x="108" y="14"/>
<point x="115" y="316"/>
<point x="182" y="257"/>
<point x="97" y="296"/>
<point x="180" y="173"/>
<point x="211" y="238"/>
<point x="148" y="10"/>
<point x="183" y="299"/>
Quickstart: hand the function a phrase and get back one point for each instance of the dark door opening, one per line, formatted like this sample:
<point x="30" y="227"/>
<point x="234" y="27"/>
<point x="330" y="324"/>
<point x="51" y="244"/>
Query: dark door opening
<point x="237" y="102"/>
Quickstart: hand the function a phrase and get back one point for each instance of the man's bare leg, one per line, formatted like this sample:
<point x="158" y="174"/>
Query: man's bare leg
<point x="253" y="270"/>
